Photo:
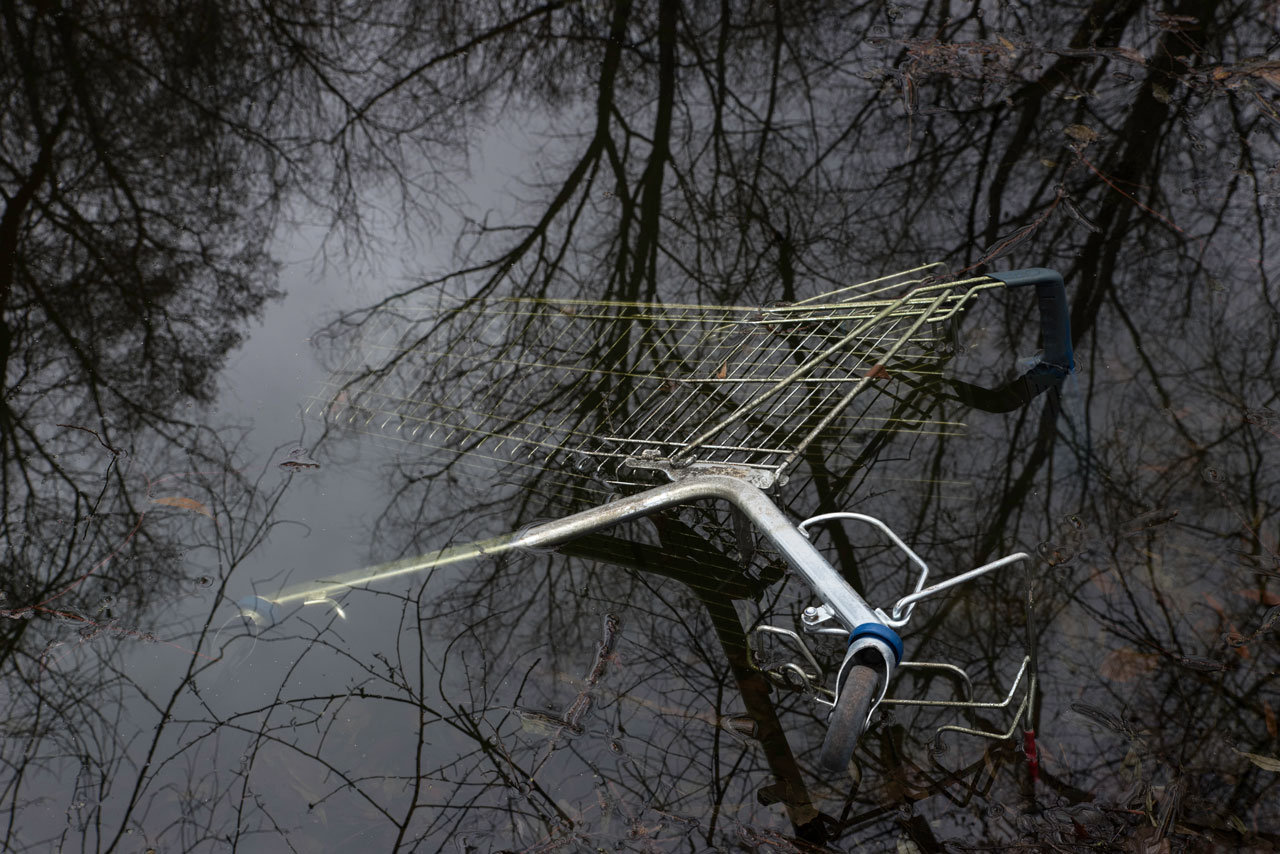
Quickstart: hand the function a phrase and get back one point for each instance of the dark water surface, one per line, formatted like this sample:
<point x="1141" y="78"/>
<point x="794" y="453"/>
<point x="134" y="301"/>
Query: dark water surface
<point x="210" y="210"/>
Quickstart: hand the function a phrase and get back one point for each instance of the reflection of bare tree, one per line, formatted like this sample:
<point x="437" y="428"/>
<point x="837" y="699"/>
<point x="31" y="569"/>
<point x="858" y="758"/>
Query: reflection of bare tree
<point x="78" y="705"/>
<point x="144" y="163"/>
<point x="131" y="251"/>
<point x="732" y="155"/>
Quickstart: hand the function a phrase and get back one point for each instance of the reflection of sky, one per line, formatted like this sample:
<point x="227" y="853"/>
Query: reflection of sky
<point x="265" y="384"/>
<point x="269" y="378"/>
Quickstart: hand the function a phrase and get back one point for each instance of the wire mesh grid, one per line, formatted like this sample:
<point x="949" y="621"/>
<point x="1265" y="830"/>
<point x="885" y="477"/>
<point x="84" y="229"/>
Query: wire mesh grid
<point x="605" y="389"/>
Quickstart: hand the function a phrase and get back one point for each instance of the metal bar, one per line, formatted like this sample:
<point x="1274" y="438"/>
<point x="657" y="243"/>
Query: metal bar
<point x="950" y="669"/>
<point x="844" y="402"/>
<point x="815" y="360"/>
<point x="335" y="585"/>
<point x="1024" y="706"/>
<point x="821" y="576"/>
<point x="969" y="704"/>
<point x="898" y="619"/>
<point x="911" y="599"/>
<point x="895" y="280"/>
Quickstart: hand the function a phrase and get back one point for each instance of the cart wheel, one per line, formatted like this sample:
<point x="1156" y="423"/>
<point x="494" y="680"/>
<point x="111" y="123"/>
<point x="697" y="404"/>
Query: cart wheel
<point x="848" y="719"/>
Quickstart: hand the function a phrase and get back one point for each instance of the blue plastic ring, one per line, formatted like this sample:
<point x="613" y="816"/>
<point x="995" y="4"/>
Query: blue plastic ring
<point x="880" y="632"/>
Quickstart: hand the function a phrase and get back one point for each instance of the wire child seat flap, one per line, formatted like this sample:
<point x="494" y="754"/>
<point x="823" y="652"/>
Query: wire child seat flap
<point x="605" y="390"/>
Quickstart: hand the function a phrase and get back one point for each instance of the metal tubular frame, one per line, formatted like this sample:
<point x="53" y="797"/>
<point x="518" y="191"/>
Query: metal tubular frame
<point x="796" y="548"/>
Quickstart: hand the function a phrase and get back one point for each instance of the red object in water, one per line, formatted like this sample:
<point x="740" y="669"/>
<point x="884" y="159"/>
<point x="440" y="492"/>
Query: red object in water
<point x="1033" y="755"/>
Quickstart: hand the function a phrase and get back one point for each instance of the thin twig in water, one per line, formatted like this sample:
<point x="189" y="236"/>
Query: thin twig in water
<point x="1130" y="196"/>
<point x="1004" y="244"/>
<point x="115" y="452"/>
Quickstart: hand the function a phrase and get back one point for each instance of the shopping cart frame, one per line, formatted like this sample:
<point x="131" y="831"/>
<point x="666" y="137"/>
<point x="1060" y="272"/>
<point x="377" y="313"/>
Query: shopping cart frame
<point x="874" y="648"/>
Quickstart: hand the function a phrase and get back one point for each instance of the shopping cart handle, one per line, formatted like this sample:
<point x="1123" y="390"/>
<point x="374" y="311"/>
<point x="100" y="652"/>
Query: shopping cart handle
<point x="1055" y="316"/>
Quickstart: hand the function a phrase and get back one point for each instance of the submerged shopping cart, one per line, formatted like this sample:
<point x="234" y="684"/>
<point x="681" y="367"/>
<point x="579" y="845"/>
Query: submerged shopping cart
<point x="600" y="400"/>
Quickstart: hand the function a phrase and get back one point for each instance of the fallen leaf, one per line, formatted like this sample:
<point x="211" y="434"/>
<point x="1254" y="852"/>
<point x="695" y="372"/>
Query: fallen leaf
<point x="298" y="461"/>
<point x="723" y="372"/>
<point x="1234" y="639"/>
<point x="1266" y="763"/>
<point x="1269" y="714"/>
<point x="1266" y="597"/>
<point x="1132" y="55"/>
<point x="1268" y="71"/>
<point x="878" y="372"/>
<point x="1150" y="519"/>
<point x="1203" y="665"/>
<point x="1235" y="76"/>
<point x="1155" y="846"/>
<point x="1101" y="716"/>
<point x="183" y="503"/>
<point x="1123" y="665"/>
<point x="1055" y="554"/>
<point x="1080" y="133"/>
<point x="1269" y="621"/>
<point x="1172" y="23"/>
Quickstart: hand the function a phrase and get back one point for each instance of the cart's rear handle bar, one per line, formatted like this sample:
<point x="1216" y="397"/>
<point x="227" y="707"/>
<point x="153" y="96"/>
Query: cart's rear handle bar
<point x="1055" y="316"/>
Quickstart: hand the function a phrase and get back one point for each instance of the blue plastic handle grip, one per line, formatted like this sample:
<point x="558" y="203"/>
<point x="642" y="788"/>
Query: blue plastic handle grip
<point x="1055" y="317"/>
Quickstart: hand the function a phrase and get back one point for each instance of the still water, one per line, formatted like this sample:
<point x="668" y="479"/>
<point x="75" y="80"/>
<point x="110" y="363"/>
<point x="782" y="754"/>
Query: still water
<point x="250" y="256"/>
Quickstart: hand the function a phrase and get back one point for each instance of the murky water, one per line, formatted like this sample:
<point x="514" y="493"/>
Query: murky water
<point x="181" y="442"/>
